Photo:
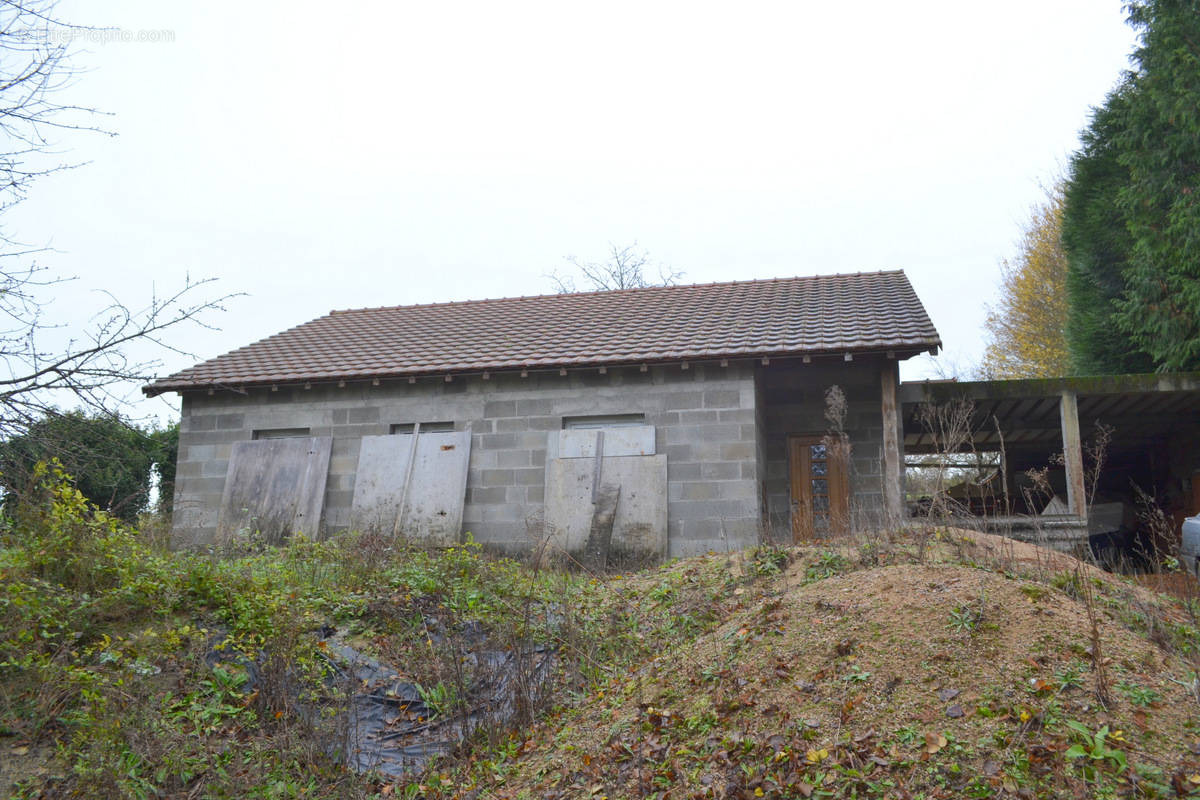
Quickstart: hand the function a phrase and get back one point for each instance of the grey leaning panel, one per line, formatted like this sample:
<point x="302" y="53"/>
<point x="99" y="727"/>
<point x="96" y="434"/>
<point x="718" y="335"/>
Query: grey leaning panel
<point x="379" y="483"/>
<point x="626" y="440"/>
<point x="639" y="531"/>
<point x="417" y="493"/>
<point x="275" y="487"/>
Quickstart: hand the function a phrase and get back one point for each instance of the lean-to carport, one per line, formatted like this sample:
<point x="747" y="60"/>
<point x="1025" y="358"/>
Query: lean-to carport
<point x="1154" y="447"/>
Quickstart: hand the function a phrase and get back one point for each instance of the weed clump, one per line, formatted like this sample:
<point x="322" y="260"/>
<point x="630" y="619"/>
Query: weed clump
<point x="142" y="672"/>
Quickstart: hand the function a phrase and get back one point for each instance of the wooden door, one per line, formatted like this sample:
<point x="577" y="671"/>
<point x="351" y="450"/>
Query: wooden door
<point x="820" y="491"/>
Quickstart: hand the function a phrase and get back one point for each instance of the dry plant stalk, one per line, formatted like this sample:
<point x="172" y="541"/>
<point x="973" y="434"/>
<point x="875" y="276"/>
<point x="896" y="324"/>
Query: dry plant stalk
<point x="1099" y="668"/>
<point x="837" y="449"/>
<point x="1095" y="453"/>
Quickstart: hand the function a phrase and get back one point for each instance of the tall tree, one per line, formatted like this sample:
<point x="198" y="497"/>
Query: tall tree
<point x="1026" y="329"/>
<point x="1132" y="219"/>
<point x="109" y="458"/>
<point x="1160" y="144"/>
<point x="1098" y="244"/>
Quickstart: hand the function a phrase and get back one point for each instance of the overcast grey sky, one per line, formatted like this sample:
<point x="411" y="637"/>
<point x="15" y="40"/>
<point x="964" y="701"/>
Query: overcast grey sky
<point x="318" y="156"/>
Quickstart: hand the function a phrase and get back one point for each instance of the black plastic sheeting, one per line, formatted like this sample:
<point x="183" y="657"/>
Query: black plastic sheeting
<point x="388" y="726"/>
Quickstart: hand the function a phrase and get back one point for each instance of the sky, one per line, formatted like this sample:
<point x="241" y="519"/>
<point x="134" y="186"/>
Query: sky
<point x="317" y="156"/>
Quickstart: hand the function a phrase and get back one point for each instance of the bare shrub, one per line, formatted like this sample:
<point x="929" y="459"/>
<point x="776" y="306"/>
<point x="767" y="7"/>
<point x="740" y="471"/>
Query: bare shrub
<point x="1158" y="543"/>
<point x="949" y="427"/>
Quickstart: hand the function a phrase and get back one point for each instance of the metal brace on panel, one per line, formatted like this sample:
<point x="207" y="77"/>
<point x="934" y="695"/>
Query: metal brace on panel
<point x="408" y="476"/>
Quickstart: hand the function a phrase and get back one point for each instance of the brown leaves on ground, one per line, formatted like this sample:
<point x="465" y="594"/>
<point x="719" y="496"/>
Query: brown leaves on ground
<point x="934" y="678"/>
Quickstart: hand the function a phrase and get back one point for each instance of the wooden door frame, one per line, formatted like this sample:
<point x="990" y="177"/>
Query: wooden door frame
<point x="800" y="485"/>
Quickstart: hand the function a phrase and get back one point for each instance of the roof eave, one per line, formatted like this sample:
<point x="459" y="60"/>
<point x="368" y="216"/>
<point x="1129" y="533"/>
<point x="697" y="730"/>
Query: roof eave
<point x="898" y="352"/>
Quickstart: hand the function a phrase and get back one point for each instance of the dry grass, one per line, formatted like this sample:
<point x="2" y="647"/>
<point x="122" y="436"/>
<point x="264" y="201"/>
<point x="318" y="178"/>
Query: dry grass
<point x="958" y="674"/>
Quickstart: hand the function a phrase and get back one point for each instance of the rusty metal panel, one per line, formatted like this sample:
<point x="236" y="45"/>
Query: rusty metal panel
<point x="639" y="528"/>
<point x="418" y="493"/>
<point x="275" y="487"/>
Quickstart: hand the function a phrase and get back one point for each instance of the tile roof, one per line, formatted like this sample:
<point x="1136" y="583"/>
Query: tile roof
<point x="873" y="311"/>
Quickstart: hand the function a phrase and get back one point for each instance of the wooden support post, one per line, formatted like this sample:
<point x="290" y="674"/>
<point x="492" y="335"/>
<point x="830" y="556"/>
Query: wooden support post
<point x="1073" y="455"/>
<point x="893" y="476"/>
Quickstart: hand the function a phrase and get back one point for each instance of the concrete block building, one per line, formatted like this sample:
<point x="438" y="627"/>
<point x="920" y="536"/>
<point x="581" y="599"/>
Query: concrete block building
<point x="691" y="418"/>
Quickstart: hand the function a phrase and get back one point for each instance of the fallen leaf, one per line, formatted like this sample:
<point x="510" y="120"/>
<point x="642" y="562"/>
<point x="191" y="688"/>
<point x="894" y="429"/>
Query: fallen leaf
<point x="934" y="742"/>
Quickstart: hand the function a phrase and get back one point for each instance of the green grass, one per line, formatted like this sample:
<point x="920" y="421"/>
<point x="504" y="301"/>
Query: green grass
<point x="103" y="644"/>
<point x="107" y="646"/>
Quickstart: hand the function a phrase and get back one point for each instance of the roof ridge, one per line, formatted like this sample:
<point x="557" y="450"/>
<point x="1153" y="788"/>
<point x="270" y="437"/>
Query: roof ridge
<point x="631" y="290"/>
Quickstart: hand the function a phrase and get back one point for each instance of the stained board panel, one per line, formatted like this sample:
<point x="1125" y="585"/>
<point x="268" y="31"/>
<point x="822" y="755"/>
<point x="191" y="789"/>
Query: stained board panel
<point x="379" y="483"/>
<point x="274" y="488"/>
<point x="419" y="493"/>
<point x="639" y="530"/>
<point x="627" y="440"/>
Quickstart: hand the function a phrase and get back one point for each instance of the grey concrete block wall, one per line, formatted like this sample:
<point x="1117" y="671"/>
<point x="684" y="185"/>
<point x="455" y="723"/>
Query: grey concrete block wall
<point x="793" y="401"/>
<point x="706" y="420"/>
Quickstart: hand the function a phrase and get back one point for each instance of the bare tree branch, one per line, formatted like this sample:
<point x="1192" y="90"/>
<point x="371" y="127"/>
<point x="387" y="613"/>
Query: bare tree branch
<point x="38" y="370"/>
<point x="34" y="69"/>
<point x="625" y="268"/>
<point x="92" y="366"/>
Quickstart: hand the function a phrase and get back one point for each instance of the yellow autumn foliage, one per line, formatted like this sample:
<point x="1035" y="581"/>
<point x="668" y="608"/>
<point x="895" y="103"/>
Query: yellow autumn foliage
<point x="1027" y="328"/>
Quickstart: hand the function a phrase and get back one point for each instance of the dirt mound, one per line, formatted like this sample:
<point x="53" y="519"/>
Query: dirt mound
<point x="940" y="679"/>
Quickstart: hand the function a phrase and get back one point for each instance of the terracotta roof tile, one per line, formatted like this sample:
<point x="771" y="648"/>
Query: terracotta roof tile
<point x="789" y="316"/>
